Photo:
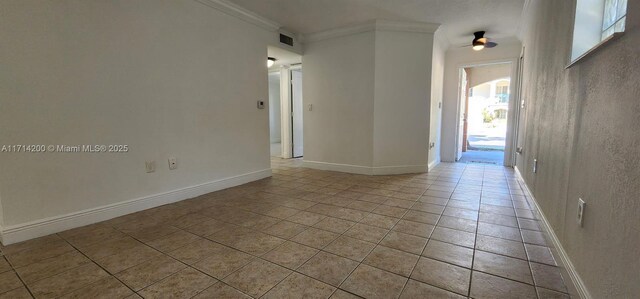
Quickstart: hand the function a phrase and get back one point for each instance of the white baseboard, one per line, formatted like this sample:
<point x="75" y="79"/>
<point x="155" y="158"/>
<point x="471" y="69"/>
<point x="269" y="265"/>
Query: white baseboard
<point x="366" y="170"/>
<point x="34" y="229"/>
<point x="433" y="164"/>
<point x="577" y="282"/>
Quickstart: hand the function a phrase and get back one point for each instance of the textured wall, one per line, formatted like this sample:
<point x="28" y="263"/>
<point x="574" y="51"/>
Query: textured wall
<point x="583" y="126"/>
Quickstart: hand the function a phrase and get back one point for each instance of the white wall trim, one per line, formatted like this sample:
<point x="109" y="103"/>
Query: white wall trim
<point x="433" y="164"/>
<point x="576" y="280"/>
<point x="378" y="25"/>
<point x="366" y="170"/>
<point x="25" y="231"/>
<point x="241" y="13"/>
<point x="401" y="169"/>
<point x="417" y="27"/>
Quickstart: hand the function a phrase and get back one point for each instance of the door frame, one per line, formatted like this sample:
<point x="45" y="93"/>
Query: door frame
<point x="294" y="67"/>
<point x="519" y="142"/>
<point x="511" y="134"/>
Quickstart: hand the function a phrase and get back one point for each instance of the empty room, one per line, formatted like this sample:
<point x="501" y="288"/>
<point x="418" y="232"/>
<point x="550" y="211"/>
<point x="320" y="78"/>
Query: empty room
<point x="319" y="149"/>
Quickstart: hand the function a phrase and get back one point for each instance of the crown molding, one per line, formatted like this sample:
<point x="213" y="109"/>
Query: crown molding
<point x="241" y="13"/>
<point x="416" y="27"/>
<point x="374" y="25"/>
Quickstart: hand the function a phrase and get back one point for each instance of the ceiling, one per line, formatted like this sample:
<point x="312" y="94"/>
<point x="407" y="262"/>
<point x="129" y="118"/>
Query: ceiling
<point x="460" y="18"/>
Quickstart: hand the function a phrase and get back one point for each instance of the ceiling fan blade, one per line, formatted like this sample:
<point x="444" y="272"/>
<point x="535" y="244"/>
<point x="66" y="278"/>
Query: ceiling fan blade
<point x="490" y="45"/>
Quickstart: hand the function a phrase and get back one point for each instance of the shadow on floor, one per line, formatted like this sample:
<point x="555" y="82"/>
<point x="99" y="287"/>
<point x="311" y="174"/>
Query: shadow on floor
<point x="490" y="157"/>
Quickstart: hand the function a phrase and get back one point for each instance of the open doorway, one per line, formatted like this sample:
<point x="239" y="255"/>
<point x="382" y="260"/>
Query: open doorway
<point x="275" y="119"/>
<point x="285" y="103"/>
<point x="297" y="111"/>
<point x="484" y="127"/>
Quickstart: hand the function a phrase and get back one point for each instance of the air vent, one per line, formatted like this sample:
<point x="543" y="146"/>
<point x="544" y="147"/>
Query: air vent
<point x="287" y="40"/>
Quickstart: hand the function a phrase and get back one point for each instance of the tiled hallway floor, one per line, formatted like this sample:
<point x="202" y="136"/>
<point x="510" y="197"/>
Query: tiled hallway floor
<point x="460" y="230"/>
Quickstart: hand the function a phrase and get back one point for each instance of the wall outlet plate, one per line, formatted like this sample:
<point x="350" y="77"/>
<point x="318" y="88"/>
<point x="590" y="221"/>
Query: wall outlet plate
<point x="173" y="163"/>
<point x="150" y="166"/>
<point x="581" y="206"/>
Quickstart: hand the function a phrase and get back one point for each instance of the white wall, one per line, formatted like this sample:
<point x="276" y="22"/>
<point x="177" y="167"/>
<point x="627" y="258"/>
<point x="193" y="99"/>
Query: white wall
<point x="456" y="58"/>
<point x="167" y="78"/>
<point x="487" y="73"/>
<point x="274" y="107"/>
<point x="339" y="83"/>
<point x="440" y="46"/>
<point x="402" y="99"/>
<point x="370" y="86"/>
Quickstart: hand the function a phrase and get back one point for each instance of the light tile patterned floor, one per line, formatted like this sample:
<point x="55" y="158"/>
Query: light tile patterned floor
<point x="462" y="230"/>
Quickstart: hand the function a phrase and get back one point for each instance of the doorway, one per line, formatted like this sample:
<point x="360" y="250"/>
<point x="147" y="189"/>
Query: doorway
<point x="285" y="104"/>
<point x="297" y="111"/>
<point x="485" y="118"/>
<point x="275" y="119"/>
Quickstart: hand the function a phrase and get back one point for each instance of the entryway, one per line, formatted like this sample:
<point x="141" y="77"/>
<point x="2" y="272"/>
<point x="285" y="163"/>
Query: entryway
<point x="485" y="120"/>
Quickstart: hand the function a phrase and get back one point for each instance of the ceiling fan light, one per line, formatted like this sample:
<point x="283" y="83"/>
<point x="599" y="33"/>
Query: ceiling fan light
<point x="270" y="61"/>
<point x="478" y="45"/>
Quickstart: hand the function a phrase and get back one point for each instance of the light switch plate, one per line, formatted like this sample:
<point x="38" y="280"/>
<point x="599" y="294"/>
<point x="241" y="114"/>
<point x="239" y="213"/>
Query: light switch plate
<point x="260" y="104"/>
<point x="581" y="206"/>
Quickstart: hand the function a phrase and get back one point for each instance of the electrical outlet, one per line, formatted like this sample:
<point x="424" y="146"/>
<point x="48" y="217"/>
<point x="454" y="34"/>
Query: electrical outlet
<point x="173" y="163"/>
<point x="581" y="206"/>
<point x="150" y="166"/>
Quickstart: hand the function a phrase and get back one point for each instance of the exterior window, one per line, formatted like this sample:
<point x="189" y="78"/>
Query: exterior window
<point x="502" y="93"/>
<point x="501" y="114"/>
<point x="615" y="13"/>
<point x="595" y="23"/>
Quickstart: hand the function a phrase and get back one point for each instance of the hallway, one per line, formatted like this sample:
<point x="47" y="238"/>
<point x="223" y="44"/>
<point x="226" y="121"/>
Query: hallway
<point x="460" y="230"/>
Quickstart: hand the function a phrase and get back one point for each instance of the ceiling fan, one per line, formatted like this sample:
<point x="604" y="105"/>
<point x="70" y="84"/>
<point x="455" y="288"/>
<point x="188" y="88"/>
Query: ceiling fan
<point x="480" y="42"/>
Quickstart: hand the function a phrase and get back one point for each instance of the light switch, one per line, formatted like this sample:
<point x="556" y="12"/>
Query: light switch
<point x="260" y="104"/>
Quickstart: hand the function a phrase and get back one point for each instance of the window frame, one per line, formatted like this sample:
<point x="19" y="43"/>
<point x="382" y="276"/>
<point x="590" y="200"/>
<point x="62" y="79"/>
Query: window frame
<point x="602" y="41"/>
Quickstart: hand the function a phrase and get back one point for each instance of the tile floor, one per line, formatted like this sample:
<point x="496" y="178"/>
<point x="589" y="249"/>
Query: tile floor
<point x="462" y="230"/>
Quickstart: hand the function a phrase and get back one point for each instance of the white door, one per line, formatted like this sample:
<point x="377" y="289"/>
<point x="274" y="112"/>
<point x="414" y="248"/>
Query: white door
<point x="297" y="110"/>
<point x="462" y="99"/>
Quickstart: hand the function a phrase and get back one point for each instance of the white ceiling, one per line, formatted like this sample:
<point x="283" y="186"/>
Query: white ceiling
<point x="460" y="18"/>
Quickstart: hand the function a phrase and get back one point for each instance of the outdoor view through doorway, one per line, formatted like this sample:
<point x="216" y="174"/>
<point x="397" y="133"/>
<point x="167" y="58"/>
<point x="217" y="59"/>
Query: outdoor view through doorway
<point x="487" y="122"/>
<point x="486" y="110"/>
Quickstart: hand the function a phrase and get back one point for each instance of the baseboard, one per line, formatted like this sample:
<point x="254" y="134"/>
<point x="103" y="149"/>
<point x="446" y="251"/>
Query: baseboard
<point x="433" y="164"/>
<point x="337" y="167"/>
<point x="366" y="170"/>
<point x="26" y="231"/>
<point x="576" y="281"/>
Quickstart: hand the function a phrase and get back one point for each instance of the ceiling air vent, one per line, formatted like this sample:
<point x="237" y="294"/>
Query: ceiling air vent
<point x="287" y="40"/>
